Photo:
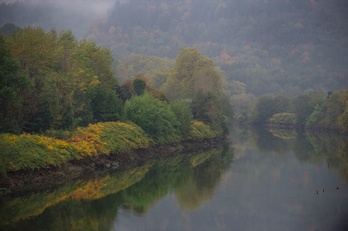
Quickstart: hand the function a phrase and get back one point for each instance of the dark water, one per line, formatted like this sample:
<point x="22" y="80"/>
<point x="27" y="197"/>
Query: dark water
<point x="261" y="180"/>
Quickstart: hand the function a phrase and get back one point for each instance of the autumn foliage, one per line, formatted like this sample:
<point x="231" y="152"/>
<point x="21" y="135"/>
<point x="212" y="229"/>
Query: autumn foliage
<point x="27" y="151"/>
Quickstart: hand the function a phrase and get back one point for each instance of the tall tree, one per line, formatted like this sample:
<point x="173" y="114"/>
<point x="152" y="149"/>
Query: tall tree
<point x="193" y="72"/>
<point x="13" y="91"/>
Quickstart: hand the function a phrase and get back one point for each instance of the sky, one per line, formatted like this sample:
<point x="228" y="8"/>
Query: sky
<point x="97" y="5"/>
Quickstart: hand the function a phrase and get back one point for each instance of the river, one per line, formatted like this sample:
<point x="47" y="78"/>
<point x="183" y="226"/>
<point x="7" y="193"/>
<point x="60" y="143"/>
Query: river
<point x="259" y="180"/>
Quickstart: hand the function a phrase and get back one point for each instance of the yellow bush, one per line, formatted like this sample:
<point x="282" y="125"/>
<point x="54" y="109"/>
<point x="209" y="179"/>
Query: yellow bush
<point x="28" y="151"/>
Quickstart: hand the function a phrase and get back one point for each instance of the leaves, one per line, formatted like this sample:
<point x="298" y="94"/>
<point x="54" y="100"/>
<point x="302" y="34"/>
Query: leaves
<point x="54" y="75"/>
<point x="156" y="118"/>
<point x="28" y="151"/>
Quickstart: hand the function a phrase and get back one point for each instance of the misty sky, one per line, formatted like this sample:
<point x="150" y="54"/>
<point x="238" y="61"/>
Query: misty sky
<point x="97" y="6"/>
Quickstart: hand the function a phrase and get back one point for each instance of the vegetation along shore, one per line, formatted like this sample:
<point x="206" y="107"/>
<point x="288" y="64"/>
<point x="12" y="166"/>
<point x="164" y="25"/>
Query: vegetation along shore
<point x="61" y="102"/>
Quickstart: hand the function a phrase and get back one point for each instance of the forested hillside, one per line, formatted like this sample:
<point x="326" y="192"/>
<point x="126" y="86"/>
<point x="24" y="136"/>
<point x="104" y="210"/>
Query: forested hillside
<point x="269" y="46"/>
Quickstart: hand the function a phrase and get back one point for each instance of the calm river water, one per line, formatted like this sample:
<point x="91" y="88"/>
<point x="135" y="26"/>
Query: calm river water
<point x="261" y="180"/>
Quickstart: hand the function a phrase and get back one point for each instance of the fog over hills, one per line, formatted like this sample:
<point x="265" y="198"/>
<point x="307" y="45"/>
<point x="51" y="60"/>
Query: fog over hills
<point x="267" y="46"/>
<point x="75" y="15"/>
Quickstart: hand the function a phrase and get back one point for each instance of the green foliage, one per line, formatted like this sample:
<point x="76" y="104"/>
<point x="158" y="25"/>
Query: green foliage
<point x="184" y="116"/>
<point x="196" y="79"/>
<point x="33" y="151"/>
<point x="139" y="86"/>
<point x="105" y="104"/>
<point x="27" y="151"/>
<point x="193" y="72"/>
<point x="109" y="137"/>
<point x="41" y="120"/>
<point x="126" y="90"/>
<point x="156" y="118"/>
<point x="310" y="110"/>
<point x="328" y="113"/>
<point x="55" y="81"/>
<point x="13" y="89"/>
<point x="209" y="109"/>
<point x="304" y="105"/>
<point x="154" y="68"/>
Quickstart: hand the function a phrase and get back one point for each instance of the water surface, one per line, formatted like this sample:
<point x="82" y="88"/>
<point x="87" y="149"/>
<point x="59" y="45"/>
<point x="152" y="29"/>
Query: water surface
<point x="261" y="180"/>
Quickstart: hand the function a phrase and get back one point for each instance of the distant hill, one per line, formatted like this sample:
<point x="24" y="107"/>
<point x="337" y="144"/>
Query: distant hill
<point x="271" y="46"/>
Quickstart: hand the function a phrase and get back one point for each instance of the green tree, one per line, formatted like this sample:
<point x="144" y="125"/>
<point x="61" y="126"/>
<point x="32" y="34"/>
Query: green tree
<point x="156" y="118"/>
<point x="262" y="109"/>
<point x="208" y="108"/>
<point x="13" y="91"/>
<point x="139" y="85"/>
<point x="126" y="90"/>
<point x="184" y="116"/>
<point x="37" y="55"/>
<point x="304" y="105"/>
<point x="60" y="73"/>
<point x="105" y="104"/>
<point x="193" y="72"/>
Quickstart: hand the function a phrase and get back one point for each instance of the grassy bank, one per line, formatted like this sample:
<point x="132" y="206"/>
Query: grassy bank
<point x="30" y="151"/>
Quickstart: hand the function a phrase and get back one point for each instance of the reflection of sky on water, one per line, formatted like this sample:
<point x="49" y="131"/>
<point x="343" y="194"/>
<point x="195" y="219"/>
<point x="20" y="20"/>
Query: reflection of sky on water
<point x="259" y="192"/>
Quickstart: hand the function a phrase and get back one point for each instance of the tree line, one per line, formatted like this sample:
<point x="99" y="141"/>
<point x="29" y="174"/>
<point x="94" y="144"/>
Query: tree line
<point x="51" y="81"/>
<point x="316" y="110"/>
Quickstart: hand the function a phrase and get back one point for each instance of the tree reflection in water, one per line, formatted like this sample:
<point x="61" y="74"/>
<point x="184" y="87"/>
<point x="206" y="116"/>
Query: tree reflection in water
<point x="263" y="180"/>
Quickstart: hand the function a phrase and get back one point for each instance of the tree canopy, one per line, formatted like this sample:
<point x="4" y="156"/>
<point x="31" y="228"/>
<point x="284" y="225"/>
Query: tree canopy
<point x="53" y="81"/>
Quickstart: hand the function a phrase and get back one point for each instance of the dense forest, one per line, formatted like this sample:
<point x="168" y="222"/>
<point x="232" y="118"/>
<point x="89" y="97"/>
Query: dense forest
<point x="62" y="99"/>
<point x="267" y="57"/>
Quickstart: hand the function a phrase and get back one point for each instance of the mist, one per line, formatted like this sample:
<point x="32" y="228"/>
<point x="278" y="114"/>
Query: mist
<point x="76" y="15"/>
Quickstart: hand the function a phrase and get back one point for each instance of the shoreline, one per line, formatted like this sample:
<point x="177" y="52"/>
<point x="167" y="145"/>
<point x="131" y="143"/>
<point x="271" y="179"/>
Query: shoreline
<point x="296" y="128"/>
<point x="33" y="179"/>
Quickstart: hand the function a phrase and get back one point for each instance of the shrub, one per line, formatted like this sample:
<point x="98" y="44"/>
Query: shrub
<point x="156" y="118"/>
<point x="33" y="151"/>
<point x="28" y="151"/>
<point x="104" y="138"/>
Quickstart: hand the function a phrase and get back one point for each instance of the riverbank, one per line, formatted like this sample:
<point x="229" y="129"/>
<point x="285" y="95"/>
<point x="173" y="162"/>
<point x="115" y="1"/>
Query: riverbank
<point x="29" y="179"/>
<point x="304" y="128"/>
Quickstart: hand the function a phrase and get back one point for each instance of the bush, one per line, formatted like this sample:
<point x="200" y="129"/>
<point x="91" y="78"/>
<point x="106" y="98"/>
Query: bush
<point x="156" y="118"/>
<point x="33" y="151"/>
<point x="28" y="151"/>
<point x="109" y="137"/>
